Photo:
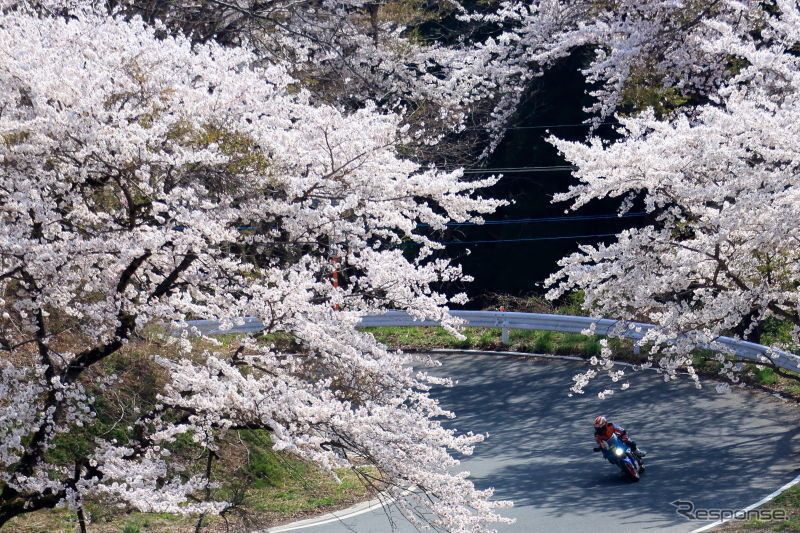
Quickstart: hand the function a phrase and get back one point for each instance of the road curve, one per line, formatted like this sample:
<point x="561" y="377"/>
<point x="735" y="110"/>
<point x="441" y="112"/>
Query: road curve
<point x="720" y="451"/>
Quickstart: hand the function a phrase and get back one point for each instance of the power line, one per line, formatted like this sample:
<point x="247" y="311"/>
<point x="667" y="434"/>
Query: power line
<point x="498" y="222"/>
<point x="551" y="168"/>
<point x="544" y="126"/>
<point x="510" y="170"/>
<point x="532" y="239"/>
<point x="542" y="219"/>
<point x="494" y="241"/>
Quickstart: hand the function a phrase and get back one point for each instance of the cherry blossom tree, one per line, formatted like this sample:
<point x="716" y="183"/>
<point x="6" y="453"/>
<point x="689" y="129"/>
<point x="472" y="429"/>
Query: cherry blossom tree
<point x="644" y="52"/>
<point x="146" y="180"/>
<point x="348" y="52"/>
<point x="455" y="84"/>
<point x="722" y="189"/>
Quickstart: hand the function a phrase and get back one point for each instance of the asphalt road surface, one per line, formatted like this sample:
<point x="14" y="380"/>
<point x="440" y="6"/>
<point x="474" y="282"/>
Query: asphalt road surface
<point x="719" y="451"/>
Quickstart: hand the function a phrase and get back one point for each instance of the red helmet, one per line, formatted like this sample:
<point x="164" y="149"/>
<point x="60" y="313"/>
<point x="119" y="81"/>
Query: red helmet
<point x="600" y="421"/>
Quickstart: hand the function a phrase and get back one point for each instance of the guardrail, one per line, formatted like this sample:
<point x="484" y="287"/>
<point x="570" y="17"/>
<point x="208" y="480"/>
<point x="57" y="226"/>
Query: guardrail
<point x="532" y="321"/>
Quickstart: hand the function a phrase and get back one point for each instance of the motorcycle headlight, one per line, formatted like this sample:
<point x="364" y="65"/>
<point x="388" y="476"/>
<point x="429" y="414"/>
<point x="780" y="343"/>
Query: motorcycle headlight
<point x="619" y="451"/>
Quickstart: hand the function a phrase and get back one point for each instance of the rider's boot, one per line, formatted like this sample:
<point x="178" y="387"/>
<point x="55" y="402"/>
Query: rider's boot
<point x="640" y="453"/>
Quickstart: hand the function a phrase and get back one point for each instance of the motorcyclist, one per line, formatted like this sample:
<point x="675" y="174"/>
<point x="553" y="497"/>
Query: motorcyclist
<point x="604" y="430"/>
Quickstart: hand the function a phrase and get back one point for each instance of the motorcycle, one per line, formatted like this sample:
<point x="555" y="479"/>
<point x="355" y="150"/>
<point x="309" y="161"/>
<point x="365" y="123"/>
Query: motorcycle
<point x="619" y="453"/>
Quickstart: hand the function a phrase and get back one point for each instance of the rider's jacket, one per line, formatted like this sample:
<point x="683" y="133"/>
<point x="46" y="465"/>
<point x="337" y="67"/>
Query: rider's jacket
<point x="605" y="433"/>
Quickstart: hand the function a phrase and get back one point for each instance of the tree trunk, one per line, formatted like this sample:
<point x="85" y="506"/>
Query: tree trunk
<point x="13" y="504"/>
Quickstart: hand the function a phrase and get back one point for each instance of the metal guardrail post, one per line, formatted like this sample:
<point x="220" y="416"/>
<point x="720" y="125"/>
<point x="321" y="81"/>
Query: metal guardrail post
<point x="504" y="325"/>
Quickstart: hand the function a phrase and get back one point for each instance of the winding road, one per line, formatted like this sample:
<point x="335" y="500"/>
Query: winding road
<point x="719" y="451"/>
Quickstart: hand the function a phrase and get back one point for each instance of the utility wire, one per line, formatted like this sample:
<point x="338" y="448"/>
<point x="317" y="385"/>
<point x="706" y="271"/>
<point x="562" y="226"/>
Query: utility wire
<point x="542" y="219"/>
<point x="543" y="126"/>
<point x="529" y="239"/>
<point x="498" y="222"/>
<point x="510" y="170"/>
<point x="532" y="239"/>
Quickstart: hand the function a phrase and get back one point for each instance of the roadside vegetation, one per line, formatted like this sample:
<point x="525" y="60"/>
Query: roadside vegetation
<point x="284" y="489"/>
<point x="573" y="344"/>
<point x="773" y="332"/>
<point x="265" y="487"/>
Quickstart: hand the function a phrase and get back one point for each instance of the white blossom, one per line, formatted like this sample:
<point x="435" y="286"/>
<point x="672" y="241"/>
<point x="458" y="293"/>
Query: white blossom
<point x="720" y="184"/>
<point x="146" y="179"/>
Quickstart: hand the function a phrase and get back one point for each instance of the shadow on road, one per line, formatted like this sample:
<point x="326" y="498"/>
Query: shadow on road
<point x="716" y="450"/>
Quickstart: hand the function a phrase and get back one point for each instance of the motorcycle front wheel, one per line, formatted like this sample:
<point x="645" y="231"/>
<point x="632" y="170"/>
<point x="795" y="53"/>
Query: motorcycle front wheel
<point x="630" y="470"/>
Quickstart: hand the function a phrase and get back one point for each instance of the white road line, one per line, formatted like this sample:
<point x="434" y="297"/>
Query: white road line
<point x="759" y="503"/>
<point x="338" y="516"/>
<point x="331" y="517"/>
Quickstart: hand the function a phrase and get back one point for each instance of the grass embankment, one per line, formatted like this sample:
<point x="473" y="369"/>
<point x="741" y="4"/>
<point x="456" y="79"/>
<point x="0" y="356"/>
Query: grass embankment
<point x="268" y="487"/>
<point x="543" y="342"/>
<point x="575" y="344"/>
<point x="285" y="489"/>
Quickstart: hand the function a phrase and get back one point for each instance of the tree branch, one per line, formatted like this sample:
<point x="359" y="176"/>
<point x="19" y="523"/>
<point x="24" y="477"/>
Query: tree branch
<point x="168" y="282"/>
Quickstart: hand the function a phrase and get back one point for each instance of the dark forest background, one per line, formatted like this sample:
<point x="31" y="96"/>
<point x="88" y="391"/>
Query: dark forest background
<point x="514" y="263"/>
